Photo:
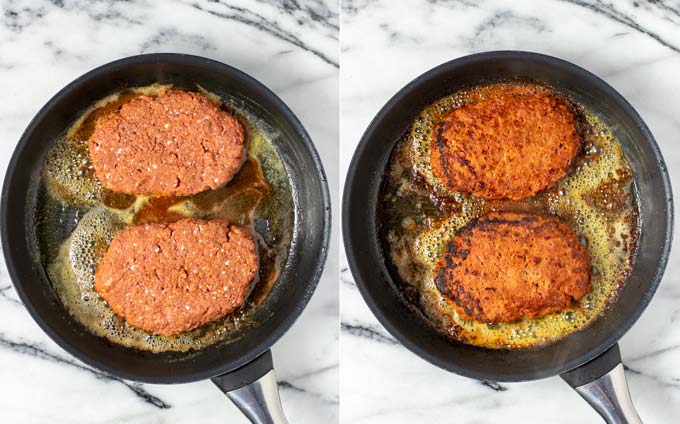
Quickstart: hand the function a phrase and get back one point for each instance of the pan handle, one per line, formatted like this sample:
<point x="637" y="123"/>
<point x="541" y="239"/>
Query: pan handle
<point x="602" y="383"/>
<point x="254" y="390"/>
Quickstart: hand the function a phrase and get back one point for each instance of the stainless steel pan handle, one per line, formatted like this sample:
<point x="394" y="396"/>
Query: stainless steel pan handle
<point x="259" y="401"/>
<point x="254" y="390"/>
<point x="602" y="382"/>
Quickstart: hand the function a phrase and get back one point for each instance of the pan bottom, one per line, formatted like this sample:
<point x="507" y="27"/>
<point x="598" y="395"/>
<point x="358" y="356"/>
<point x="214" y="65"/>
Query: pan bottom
<point x="596" y="198"/>
<point x="77" y="219"/>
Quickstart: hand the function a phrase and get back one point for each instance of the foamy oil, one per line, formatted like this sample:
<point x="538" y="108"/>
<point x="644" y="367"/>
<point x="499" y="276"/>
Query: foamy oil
<point x="77" y="219"/>
<point x="418" y="217"/>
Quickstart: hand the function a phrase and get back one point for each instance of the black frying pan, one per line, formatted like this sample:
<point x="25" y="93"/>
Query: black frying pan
<point x="588" y="360"/>
<point x="242" y="368"/>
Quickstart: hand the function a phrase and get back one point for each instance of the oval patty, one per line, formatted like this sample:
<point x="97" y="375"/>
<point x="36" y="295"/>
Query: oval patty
<point x="176" y="143"/>
<point x="511" y="146"/>
<point x="507" y="266"/>
<point x="170" y="278"/>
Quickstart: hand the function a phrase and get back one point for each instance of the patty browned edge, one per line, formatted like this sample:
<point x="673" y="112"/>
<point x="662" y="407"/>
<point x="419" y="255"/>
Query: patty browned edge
<point x="460" y="274"/>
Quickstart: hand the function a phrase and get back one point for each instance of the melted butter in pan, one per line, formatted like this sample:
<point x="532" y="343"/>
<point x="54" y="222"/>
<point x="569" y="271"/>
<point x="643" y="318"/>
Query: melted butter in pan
<point x="77" y="219"/>
<point x="418" y="216"/>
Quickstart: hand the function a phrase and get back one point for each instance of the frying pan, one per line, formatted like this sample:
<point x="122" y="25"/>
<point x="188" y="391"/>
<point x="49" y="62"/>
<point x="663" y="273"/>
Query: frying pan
<point x="588" y="360"/>
<point x="243" y="369"/>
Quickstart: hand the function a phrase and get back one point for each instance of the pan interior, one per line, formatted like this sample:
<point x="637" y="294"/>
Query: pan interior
<point x="596" y="199"/>
<point x="297" y="277"/>
<point x="76" y="219"/>
<point x="376" y="283"/>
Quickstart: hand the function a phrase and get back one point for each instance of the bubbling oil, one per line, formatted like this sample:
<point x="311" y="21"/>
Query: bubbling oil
<point x="597" y="198"/>
<point x="77" y="219"/>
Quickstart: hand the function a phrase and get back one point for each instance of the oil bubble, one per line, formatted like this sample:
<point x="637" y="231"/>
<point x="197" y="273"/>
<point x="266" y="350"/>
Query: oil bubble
<point x="569" y="200"/>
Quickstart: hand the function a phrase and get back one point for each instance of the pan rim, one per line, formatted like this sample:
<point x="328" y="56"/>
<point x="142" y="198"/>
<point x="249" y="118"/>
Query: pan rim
<point x="354" y="259"/>
<point x="299" y="304"/>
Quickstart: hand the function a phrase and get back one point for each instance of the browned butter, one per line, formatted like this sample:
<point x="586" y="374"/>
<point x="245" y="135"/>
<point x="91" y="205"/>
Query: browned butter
<point x="77" y="219"/>
<point x="418" y="216"/>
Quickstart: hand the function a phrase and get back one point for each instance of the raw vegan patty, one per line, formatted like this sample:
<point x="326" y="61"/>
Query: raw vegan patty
<point x="512" y="145"/>
<point x="507" y="266"/>
<point x="176" y="143"/>
<point x="170" y="278"/>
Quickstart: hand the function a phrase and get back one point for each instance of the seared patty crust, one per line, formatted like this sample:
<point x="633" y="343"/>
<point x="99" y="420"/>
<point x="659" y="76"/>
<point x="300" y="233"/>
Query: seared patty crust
<point x="170" y="278"/>
<point x="176" y="143"/>
<point x="507" y="266"/>
<point x="512" y="145"/>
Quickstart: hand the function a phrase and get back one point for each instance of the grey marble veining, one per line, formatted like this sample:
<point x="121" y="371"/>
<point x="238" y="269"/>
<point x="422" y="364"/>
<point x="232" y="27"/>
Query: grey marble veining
<point x="292" y="47"/>
<point x="635" y="47"/>
<point x="289" y="46"/>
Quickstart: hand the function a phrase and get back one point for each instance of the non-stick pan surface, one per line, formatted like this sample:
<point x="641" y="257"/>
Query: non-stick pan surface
<point x="294" y="286"/>
<point x="368" y="262"/>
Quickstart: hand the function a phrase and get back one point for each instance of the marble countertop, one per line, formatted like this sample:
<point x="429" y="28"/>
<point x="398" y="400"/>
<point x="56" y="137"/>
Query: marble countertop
<point x="634" y="46"/>
<point x="290" y="47"/>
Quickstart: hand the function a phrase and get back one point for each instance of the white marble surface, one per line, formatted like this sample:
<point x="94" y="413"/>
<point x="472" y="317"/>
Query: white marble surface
<point x="384" y="46"/>
<point x="291" y="48"/>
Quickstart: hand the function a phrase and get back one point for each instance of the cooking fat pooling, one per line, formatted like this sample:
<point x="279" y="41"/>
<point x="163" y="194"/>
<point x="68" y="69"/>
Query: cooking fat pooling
<point x="418" y="216"/>
<point x="77" y="220"/>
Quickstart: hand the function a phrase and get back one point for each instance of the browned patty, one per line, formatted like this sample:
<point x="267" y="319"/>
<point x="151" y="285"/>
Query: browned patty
<point x="507" y="266"/>
<point x="177" y="143"/>
<point x="512" y="145"/>
<point x="170" y="278"/>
